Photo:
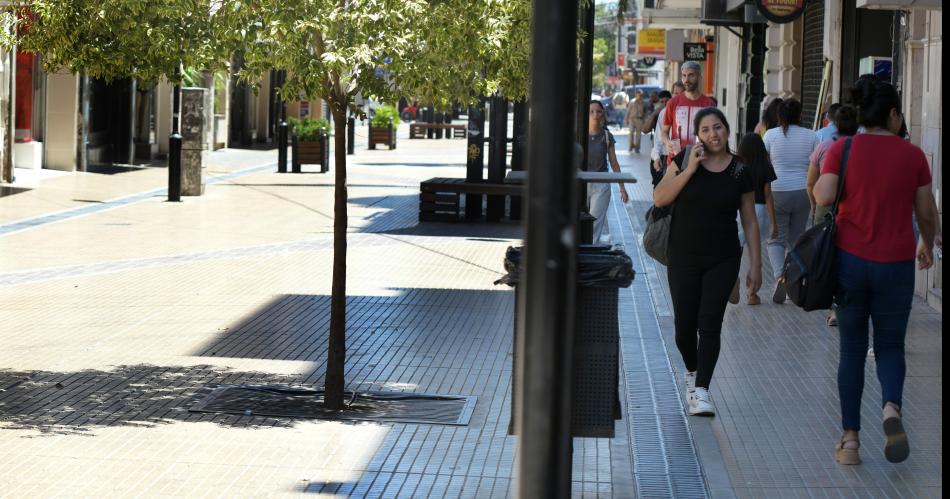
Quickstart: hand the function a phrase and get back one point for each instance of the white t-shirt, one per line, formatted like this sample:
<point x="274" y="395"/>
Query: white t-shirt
<point x="789" y="155"/>
<point x="658" y="148"/>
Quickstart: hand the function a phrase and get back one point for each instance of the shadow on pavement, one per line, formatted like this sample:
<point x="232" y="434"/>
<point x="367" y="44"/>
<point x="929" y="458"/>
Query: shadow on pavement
<point x="68" y="403"/>
<point x="399" y="215"/>
<point x="401" y="342"/>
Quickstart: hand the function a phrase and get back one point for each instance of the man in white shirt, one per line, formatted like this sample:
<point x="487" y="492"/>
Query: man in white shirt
<point x="619" y="101"/>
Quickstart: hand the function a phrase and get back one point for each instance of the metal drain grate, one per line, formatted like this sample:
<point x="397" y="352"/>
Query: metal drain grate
<point x="665" y="460"/>
<point x="299" y="402"/>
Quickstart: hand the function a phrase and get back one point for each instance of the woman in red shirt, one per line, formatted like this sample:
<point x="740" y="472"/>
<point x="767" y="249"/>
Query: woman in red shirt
<point x="886" y="181"/>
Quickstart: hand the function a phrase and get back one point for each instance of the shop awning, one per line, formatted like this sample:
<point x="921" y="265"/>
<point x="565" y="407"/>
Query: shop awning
<point x="672" y="14"/>
<point x="900" y="4"/>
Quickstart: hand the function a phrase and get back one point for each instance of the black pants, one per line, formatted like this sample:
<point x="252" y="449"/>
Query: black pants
<point x="657" y="176"/>
<point x="699" y="294"/>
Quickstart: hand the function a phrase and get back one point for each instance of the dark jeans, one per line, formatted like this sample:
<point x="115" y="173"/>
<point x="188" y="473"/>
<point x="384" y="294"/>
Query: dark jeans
<point x="881" y="292"/>
<point x="699" y="294"/>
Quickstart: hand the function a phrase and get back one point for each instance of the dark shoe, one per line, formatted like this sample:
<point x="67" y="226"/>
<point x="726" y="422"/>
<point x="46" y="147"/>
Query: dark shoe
<point x="896" y="448"/>
<point x="779" y="295"/>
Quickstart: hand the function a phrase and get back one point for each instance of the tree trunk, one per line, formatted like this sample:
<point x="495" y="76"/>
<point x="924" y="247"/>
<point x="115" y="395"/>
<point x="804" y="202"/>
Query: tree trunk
<point x="336" y="353"/>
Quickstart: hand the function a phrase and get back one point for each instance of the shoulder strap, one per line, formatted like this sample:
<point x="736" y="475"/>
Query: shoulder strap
<point x="844" y="168"/>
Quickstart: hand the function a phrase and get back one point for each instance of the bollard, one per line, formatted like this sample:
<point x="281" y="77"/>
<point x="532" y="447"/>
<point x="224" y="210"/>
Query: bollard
<point x="282" y="146"/>
<point x="174" y="148"/>
<point x="174" y="167"/>
<point x="295" y="154"/>
<point x="351" y="135"/>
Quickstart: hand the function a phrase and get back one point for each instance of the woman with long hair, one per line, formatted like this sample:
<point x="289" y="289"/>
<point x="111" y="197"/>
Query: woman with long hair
<point x="708" y="185"/>
<point x="769" y="118"/>
<point x="756" y="158"/>
<point x="845" y="123"/>
<point x="789" y="146"/>
<point x="887" y="182"/>
<point x="600" y="154"/>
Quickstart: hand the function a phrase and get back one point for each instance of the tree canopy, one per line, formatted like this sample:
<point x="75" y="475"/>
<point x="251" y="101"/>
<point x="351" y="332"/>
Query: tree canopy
<point x="144" y="39"/>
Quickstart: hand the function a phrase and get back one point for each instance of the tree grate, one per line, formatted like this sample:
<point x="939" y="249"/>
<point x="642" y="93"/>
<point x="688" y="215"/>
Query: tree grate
<point x="307" y="403"/>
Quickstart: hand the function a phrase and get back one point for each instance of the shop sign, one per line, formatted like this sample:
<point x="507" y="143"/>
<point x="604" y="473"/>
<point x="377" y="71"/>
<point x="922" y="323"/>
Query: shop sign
<point x="651" y="42"/>
<point x="621" y="59"/>
<point x="694" y="51"/>
<point x="780" y="11"/>
<point x="648" y="61"/>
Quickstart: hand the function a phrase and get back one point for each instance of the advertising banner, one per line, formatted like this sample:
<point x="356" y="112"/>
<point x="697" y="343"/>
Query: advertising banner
<point x="651" y="42"/>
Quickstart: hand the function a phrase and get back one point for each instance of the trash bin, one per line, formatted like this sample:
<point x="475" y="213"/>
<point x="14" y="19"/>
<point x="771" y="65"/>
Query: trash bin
<point x="601" y="271"/>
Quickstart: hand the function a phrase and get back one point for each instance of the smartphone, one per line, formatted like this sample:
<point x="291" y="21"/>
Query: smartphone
<point x="698" y="144"/>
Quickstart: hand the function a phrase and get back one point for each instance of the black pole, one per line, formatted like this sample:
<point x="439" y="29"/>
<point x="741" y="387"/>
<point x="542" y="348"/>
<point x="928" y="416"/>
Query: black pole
<point x="585" y="77"/>
<point x="475" y="161"/>
<point x="546" y="295"/>
<point x="350" y="135"/>
<point x="497" y="154"/>
<point x="518" y="145"/>
<point x="174" y="145"/>
<point x="756" y="93"/>
<point x="282" y="139"/>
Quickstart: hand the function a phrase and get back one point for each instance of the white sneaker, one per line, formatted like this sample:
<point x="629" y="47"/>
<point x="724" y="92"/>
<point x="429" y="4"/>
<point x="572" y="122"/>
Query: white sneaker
<point x="699" y="404"/>
<point x="690" y="377"/>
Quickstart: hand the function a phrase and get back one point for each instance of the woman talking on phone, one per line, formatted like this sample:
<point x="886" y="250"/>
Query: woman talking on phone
<point x="707" y="187"/>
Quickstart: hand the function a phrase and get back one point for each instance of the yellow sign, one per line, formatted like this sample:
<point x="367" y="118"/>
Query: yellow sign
<point x="651" y="42"/>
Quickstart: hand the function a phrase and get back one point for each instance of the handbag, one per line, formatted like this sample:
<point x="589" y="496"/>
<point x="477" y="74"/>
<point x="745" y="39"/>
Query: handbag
<point x="656" y="236"/>
<point x="810" y="270"/>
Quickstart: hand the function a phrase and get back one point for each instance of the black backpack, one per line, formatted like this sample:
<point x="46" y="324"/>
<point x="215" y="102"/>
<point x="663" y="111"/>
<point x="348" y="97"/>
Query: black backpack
<point x="810" y="272"/>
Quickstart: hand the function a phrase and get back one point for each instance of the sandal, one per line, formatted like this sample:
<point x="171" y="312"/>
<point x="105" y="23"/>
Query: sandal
<point x="831" y="320"/>
<point x="896" y="448"/>
<point x="843" y="455"/>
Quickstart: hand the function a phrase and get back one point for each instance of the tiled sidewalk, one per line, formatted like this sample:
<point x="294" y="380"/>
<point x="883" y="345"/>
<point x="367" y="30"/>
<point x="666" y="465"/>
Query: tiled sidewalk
<point x="115" y="322"/>
<point x="775" y="391"/>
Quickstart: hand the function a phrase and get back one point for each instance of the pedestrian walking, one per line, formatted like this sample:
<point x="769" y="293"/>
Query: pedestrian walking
<point x="752" y="152"/>
<point x="707" y="188"/>
<point x="680" y="110"/>
<point x="636" y="113"/>
<point x="658" y="151"/>
<point x="887" y="181"/>
<point x="830" y="130"/>
<point x="789" y="146"/>
<point x="845" y="123"/>
<point x="600" y="153"/>
<point x="619" y="102"/>
<point x="769" y="118"/>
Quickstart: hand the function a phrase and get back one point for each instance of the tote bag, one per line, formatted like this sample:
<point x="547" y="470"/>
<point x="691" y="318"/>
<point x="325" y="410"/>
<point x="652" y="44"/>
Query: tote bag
<point x="810" y="271"/>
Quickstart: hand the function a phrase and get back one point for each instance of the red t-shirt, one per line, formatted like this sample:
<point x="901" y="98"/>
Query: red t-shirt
<point x="874" y="215"/>
<point x="679" y="116"/>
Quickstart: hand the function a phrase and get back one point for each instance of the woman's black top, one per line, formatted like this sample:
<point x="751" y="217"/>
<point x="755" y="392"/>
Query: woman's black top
<point x="704" y="228"/>
<point x="761" y="174"/>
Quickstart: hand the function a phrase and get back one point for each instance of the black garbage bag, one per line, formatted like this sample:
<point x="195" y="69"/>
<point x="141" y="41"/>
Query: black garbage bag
<point x="597" y="266"/>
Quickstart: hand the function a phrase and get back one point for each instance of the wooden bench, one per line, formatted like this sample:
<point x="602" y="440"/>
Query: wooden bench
<point x="439" y="198"/>
<point x="419" y="130"/>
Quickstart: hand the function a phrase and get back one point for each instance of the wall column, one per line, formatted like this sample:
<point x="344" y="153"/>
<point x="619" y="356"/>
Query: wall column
<point x="62" y="120"/>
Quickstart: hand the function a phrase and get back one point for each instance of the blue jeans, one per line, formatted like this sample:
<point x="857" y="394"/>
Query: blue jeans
<point x="883" y="293"/>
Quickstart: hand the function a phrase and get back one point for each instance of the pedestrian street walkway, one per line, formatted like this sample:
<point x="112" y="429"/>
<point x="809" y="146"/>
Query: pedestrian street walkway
<point x="115" y="322"/>
<point x="775" y="392"/>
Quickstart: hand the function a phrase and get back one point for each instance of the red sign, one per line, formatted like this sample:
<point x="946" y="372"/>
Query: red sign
<point x="621" y="59"/>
